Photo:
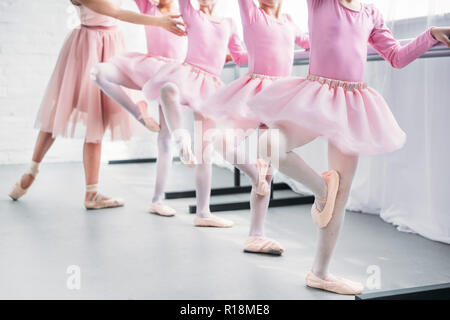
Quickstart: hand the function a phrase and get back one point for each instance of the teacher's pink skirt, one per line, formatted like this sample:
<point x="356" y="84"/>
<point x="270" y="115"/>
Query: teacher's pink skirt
<point x="72" y="97"/>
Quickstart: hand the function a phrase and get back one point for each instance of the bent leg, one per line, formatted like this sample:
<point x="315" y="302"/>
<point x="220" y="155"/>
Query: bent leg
<point x="290" y="163"/>
<point x="110" y="79"/>
<point x="173" y="113"/>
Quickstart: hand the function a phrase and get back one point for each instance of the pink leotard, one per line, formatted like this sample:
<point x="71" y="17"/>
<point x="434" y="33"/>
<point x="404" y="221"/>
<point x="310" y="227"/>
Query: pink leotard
<point x="91" y="18"/>
<point x="270" y="42"/>
<point x="208" y="40"/>
<point x="161" y="42"/>
<point x="339" y="37"/>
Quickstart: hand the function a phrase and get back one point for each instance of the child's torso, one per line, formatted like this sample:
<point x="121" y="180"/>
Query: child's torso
<point x="92" y="18"/>
<point x="207" y="42"/>
<point x="163" y="43"/>
<point x="270" y="45"/>
<point x="339" y="38"/>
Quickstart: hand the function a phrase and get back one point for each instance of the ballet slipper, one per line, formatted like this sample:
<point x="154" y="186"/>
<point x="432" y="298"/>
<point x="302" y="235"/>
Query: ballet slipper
<point x="161" y="209"/>
<point x="334" y="284"/>
<point x="149" y="122"/>
<point x="262" y="186"/>
<point x="98" y="202"/>
<point x="263" y="245"/>
<point x="17" y="191"/>
<point x="322" y="218"/>
<point x="213" y="221"/>
<point x="188" y="158"/>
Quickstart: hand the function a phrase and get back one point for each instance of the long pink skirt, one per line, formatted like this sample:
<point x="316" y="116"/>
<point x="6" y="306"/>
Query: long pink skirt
<point x="72" y="97"/>
<point x="354" y="118"/>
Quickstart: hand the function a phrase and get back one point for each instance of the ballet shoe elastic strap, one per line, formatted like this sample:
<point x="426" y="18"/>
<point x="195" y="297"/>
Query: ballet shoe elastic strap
<point x="92" y="188"/>
<point x="33" y="170"/>
<point x="321" y="200"/>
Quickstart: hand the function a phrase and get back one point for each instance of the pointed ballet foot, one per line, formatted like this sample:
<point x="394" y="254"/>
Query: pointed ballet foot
<point x="263" y="245"/>
<point x="149" y="122"/>
<point x="17" y="191"/>
<point x="334" y="284"/>
<point x="161" y="209"/>
<point x="101" y="202"/>
<point x="188" y="158"/>
<point x="213" y="221"/>
<point x="323" y="217"/>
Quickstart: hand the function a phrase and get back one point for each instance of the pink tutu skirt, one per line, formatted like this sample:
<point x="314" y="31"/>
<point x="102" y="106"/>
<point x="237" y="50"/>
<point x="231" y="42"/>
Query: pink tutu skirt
<point x="351" y="116"/>
<point x="139" y="67"/>
<point x="72" y="97"/>
<point x="195" y="85"/>
<point x="229" y="108"/>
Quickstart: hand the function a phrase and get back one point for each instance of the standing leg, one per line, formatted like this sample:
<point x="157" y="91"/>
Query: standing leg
<point x="91" y="159"/>
<point x="203" y="176"/>
<point x="110" y="79"/>
<point x="163" y="166"/>
<point x="173" y="113"/>
<point x="43" y="143"/>
<point x="346" y="166"/>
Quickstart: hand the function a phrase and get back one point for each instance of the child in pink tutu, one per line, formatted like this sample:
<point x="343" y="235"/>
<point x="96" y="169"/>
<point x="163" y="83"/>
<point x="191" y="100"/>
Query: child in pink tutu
<point x="270" y="39"/>
<point x="334" y="103"/>
<point x="133" y="70"/>
<point x="72" y="97"/>
<point x="185" y="86"/>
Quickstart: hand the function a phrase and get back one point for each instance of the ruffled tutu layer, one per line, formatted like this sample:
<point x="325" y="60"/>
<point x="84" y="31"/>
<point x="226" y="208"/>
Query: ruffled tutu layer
<point x="195" y="85"/>
<point x="139" y="67"/>
<point x="229" y="108"/>
<point x="72" y="97"/>
<point x="353" y="117"/>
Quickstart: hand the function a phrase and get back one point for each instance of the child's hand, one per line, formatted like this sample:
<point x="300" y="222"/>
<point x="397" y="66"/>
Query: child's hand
<point x="442" y="35"/>
<point x="173" y="25"/>
<point x="228" y="58"/>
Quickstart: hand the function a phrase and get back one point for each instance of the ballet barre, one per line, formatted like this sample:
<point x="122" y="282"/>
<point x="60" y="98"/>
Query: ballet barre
<point x="431" y="292"/>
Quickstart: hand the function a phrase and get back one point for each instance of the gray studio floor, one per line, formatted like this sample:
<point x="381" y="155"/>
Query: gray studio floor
<point x="127" y="253"/>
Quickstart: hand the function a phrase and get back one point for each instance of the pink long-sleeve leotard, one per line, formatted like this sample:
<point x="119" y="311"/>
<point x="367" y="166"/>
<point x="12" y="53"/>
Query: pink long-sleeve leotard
<point x="270" y="44"/>
<point x="339" y="37"/>
<point x="269" y="41"/>
<point x="333" y="102"/>
<point x="162" y="47"/>
<point x="208" y="40"/>
<point x="161" y="42"/>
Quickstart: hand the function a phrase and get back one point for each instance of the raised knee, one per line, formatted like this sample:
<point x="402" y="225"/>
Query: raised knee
<point x="95" y="71"/>
<point x="168" y="91"/>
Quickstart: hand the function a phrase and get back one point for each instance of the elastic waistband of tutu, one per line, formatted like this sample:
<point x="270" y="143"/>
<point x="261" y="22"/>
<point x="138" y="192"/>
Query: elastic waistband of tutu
<point x="332" y="83"/>
<point x="201" y="71"/>
<point x="161" y="58"/>
<point x="102" y="28"/>
<point x="262" y="76"/>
